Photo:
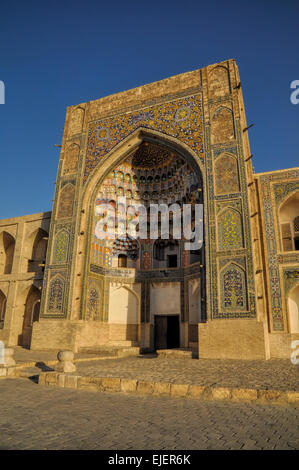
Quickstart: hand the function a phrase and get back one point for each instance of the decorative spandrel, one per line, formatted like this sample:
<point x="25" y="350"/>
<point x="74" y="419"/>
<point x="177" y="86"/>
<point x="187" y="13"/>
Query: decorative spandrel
<point x="181" y="118"/>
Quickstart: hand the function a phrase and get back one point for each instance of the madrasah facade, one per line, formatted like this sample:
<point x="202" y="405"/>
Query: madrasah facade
<point x="181" y="140"/>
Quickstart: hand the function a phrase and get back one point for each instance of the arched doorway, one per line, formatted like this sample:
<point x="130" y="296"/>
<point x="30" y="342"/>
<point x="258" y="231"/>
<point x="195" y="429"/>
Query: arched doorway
<point x="293" y="306"/>
<point x="31" y="315"/>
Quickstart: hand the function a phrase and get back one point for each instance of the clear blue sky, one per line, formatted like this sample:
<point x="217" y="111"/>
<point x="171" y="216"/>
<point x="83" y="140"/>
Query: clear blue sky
<point x="60" y="53"/>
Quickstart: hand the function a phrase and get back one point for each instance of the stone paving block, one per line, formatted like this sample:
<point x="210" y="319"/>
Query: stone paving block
<point x="196" y="391"/>
<point x="61" y="380"/>
<point x="273" y="396"/>
<point x="161" y="388"/>
<point x="179" y="390"/>
<point x="293" y="397"/>
<point x="42" y="378"/>
<point x="111" y="384"/>
<point x="145" y="387"/>
<point x="221" y="393"/>
<point x="3" y="371"/>
<point x="11" y="371"/>
<point x="89" y="383"/>
<point x="128" y="385"/>
<point x="71" y="381"/>
<point x="51" y="379"/>
<point x="244" y="394"/>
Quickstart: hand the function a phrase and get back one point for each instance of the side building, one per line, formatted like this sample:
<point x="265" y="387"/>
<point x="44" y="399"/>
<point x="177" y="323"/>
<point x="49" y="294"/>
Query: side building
<point x="23" y="247"/>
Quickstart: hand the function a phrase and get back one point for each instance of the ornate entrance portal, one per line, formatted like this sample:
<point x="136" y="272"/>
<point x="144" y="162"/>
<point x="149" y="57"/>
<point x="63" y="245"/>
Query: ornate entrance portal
<point x="180" y="141"/>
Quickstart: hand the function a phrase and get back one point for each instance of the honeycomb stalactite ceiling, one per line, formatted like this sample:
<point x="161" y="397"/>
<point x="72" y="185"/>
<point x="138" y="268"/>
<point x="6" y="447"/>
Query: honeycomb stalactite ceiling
<point x="149" y="156"/>
<point x="151" y="174"/>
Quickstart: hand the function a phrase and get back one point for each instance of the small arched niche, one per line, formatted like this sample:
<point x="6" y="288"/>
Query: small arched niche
<point x="7" y="248"/>
<point x="219" y="84"/>
<point x="39" y="251"/>
<point x="288" y="216"/>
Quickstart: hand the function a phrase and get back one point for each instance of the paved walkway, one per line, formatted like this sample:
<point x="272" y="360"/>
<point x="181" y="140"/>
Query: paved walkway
<point x="273" y="374"/>
<point x="38" y="417"/>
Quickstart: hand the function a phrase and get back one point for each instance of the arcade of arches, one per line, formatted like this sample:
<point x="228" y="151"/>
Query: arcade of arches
<point x="23" y="249"/>
<point x="182" y="140"/>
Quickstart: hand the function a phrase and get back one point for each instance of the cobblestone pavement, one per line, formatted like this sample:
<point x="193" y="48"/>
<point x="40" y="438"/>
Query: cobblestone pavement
<point x="272" y="374"/>
<point x="38" y="417"/>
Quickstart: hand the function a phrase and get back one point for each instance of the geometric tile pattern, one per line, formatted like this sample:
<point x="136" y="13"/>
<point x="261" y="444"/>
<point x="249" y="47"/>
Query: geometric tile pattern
<point x="233" y="288"/>
<point x="229" y="230"/>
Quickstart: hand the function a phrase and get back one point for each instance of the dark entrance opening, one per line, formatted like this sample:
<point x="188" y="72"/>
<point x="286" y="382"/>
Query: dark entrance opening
<point x="172" y="261"/>
<point x="122" y="261"/>
<point x="167" y="331"/>
<point x="296" y="242"/>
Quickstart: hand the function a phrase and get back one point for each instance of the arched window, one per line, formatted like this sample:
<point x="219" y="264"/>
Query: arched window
<point x="289" y="223"/>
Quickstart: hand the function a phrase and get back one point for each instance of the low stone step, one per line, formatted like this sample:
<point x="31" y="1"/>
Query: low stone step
<point x="175" y="353"/>
<point x="133" y="351"/>
<point x="100" y="351"/>
<point x="111" y="351"/>
<point x="122" y="344"/>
